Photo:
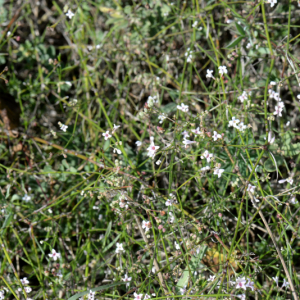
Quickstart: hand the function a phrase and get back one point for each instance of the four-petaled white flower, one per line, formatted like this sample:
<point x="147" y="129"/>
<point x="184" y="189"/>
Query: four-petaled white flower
<point x="289" y="180"/>
<point x="188" y="54"/>
<point x="241" y="126"/>
<point x="26" y="198"/>
<point x="216" y="136"/>
<point x="117" y="150"/>
<point x="91" y="295"/>
<point x="242" y="297"/>
<point x="185" y="134"/>
<point x="152" y="148"/>
<point x="24" y="281"/>
<point x="55" y="255"/>
<point x="205" y="168"/>
<point x="146" y="225"/>
<point x="183" y="107"/>
<point x="207" y="155"/>
<point x="273" y="83"/>
<point x="177" y="247"/>
<point x="223" y="70"/>
<point x="138" y="296"/>
<point x="244" y="96"/>
<point x="250" y="284"/>
<point x="298" y="96"/>
<point x="119" y="248"/>
<point x="218" y="172"/>
<point x="195" y="24"/>
<point x="233" y="122"/>
<point x="127" y="279"/>
<point x="168" y="202"/>
<point x="251" y="188"/>
<point x="116" y="127"/>
<point x="138" y="143"/>
<point x="106" y="135"/>
<point x="161" y="117"/>
<point x="158" y="162"/>
<point x="272" y="2"/>
<point x="187" y="142"/>
<point x="27" y="289"/>
<point x="196" y="131"/>
<point x="211" y="278"/>
<point x="241" y="283"/>
<point x="63" y="127"/>
<point x="209" y="73"/>
<point x="69" y="14"/>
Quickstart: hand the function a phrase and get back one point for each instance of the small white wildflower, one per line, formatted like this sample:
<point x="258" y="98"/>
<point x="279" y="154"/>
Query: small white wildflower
<point x="233" y="122"/>
<point x="273" y="83"/>
<point x="185" y="134"/>
<point x="187" y="143"/>
<point x="218" y="172"/>
<point x="209" y="73"/>
<point x="146" y="225"/>
<point x="251" y="188"/>
<point x="196" y="131"/>
<point x="161" y="117"/>
<point x="138" y="143"/>
<point x="289" y="180"/>
<point x="63" y="127"/>
<point x="158" y="162"/>
<point x="276" y="280"/>
<point x="55" y="255"/>
<point x="152" y="148"/>
<point x="69" y="14"/>
<point x="211" y="278"/>
<point x="106" y="135"/>
<point x="177" y="247"/>
<point x="127" y="279"/>
<point x="272" y="2"/>
<point x="223" y="70"/>
<point x="216" y="136"/>
<point x="207" y="155"/>
<point x="285" y="283"/>
<point x="119" y="248"/>
<point x="183" y="107"/>
<point x="26" y="198"/>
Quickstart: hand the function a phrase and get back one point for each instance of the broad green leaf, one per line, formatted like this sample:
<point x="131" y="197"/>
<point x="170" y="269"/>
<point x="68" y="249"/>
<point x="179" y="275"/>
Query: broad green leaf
<point x="240" y="29"/>
<point x="194" y="265"/>
<point x="97" y="289"/>
<point x="291" y="149"/>
<point x="235" y="42"/>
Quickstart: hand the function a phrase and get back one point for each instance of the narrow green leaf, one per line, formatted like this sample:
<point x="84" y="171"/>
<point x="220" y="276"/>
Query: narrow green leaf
<point x="235" y="42"/>
<point x="240" y="29"/>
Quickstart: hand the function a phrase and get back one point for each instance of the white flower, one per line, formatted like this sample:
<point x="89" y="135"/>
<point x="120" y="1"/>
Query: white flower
<point x="168" y="202"/>
<point x="185" y="134"/>
<point x="205" y="168"/>
<point x="272" y="2"/>
<point x="248" y="46"/>
<point x="218" y="172"/>
<point x="288" y="123"/>
<point x="8" y="33"/>
<point x="298" y="96"/>
<point x="119" y="248"/>
<point x="91" y="295"/>
<point x="195" y="24"/>
<point x="293" y="200"/>
<point x="187" y="142"/>
<point x="271" y="138"/>
<point x="285" y="283"/>
<point x="244" y="96"/>
<point x="138" y="143"/>
<point x="233" y="122"/>
<point x="271" y="93"/>
<point x="106" y="135"/>
<point x="183" y="290"/>
<point x="211" y="278"/>
<point x="24" y="281"/>
<point x="151" y="101"/>
<point x="216" y="136"/>
<point x="158" y="162"/>
<point x="251" y="188"/>
<point x="242" y="297"/>
<point x="289" y="180"/>
<point x="207" y="155"/>
<point x="196" y="131"/>
<point x="117" y="150"/>
<point x="138" y="296"/>
<point x="62" y="126"/>
<point x="146" y="225"/>
<point x="152" y="148"/>
<point x="171" y="218"/>
<point x="273" y="83"/>
<point x="127" y="279"/>
<point x="223" y="70"/>
<point x="69" y="14"/>
<point x="241" y="127"/>
<point x="55" y="255"/>
<point x="27" y="289"/>
<point x="241" y="283"/>
<point x="277" y="97"/>
<point x="278" y="111"/>
<point x="161" y="117"/>
<point x="250" y="284"/>
<point x="177" y="247"/>
<point x="276" y="280"/>
<point x="209" y="73"/>
<point x="26" y="198"/>
<point x="116" y="127"/>
<point x="188" y="54"/>
<point x="183" y="107"/>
